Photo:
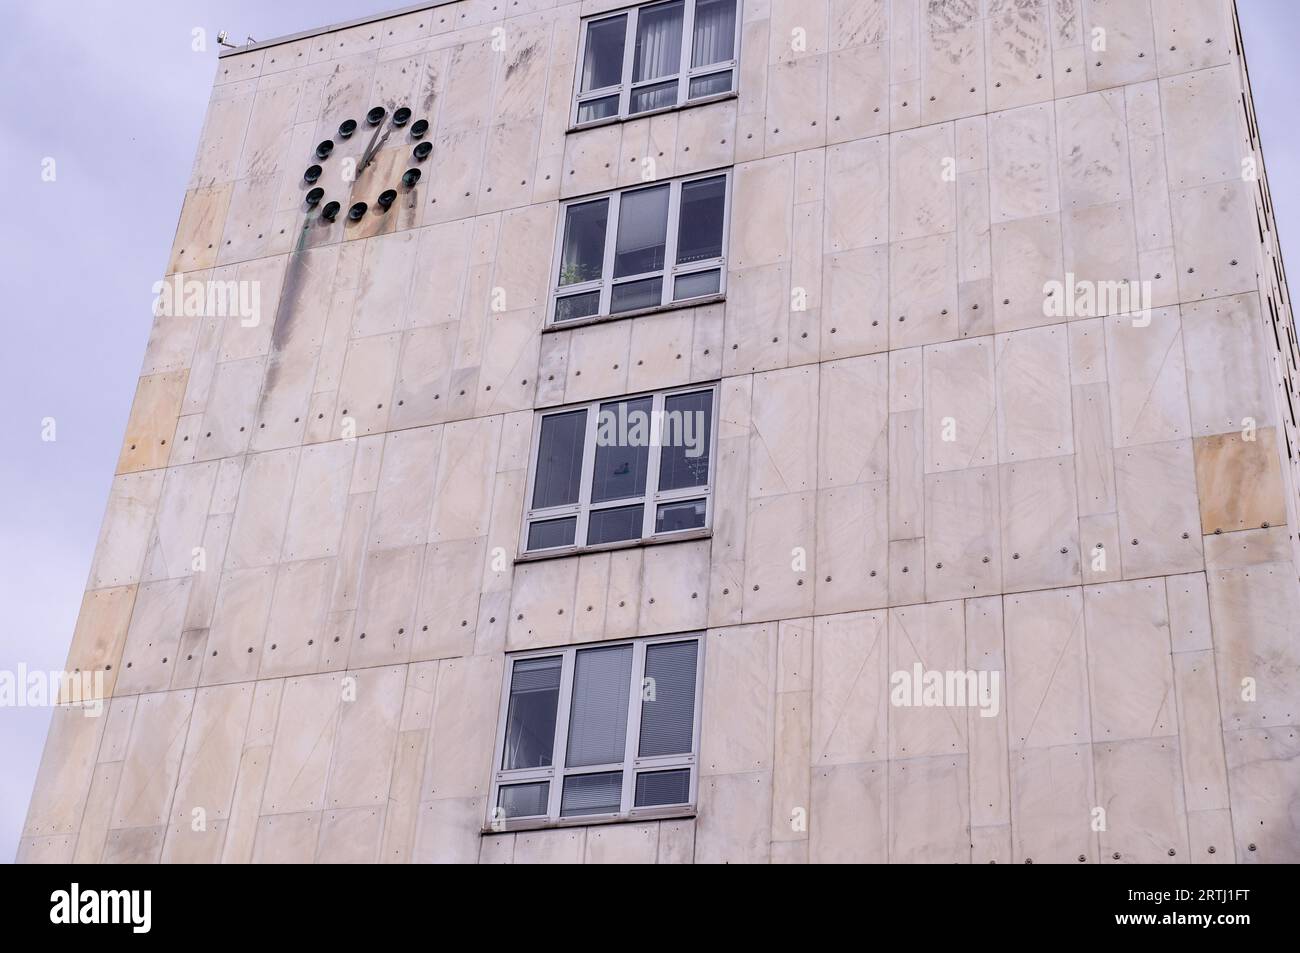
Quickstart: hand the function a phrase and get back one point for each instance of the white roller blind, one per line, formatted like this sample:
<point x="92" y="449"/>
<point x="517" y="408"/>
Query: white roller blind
<point x="667" y="718"/>
<point x="598" y="720"/>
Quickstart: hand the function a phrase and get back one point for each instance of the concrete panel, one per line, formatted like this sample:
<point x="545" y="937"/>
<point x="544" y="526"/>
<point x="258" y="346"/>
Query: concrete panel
<point x="299" y="764"/>
<point x="962" y="542"/>
<point x="1191" y="34"/>
<point x="1224" y="342"/>
<point x="1262" y="774"/>
<point x="1026" y="256"/>
<point x="1138" y="784"/>
<point x="733" y="822"/>
<point x="1040" y="525"/>
<point x="1203" y="137"/>
<point x="622" y="844"/>
<point x="1156" y="490"/>
<point x="923" y="291"/>
<point x="1255" y="611"/>
<point x="960" y="406"/>
<point x="209" y="767"/>
<point x="1129" y="56"/>
<point x="1052" y="804"/>
<point x="464" y="727"/>
<point x="1047" y="676"/>
<point x="1034" y="410"/>
<point x="1205" y="775"/>
<point x="287" y="838"/>
<point x="152" y="640"/>
<point x="739" y="700"/>
<point x="783" y="453"/>
<point x="848" y="820"/>
<point x="852" y="547"/>
<point x="1023" y="171"/>
<point x="365" y="739"/>
<point x="853" y="421"/>
<point x="780" y="550"/>
<point x="986" y="722"/>
<point x="124" y="534"/>
<point x="153" y="759"/>
<point x="1018" y="54"/>
<point x="1240" y="481"/>
<point x="923" y="199"/>
<point x="931" y="636"/>
<point x="1130" y="678"/>
<point x="1148" y="379"/>
<point x="64" y="779"/>
<point x="1215" y="236"/>
<point x="929" y="811"/>
<point x="257" y="533"/>
<point x="850" y="689"/>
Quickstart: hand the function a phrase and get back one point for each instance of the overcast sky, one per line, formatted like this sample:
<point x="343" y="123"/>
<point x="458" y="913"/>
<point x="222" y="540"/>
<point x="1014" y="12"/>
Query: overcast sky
<point x="113" y="92"/>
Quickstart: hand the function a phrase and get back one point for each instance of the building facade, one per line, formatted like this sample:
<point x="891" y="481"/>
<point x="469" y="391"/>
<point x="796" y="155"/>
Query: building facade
<point x="707" y="430"/>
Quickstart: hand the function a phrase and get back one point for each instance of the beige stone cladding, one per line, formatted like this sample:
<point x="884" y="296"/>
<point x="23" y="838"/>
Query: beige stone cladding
<point x="306" y="588"/>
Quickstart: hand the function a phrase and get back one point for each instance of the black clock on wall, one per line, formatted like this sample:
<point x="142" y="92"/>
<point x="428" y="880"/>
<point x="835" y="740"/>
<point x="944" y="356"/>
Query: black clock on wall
<point x="347" y="129"/>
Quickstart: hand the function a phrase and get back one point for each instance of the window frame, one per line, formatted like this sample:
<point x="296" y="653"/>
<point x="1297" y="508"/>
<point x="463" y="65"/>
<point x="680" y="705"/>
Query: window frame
<point x="631" y="765"/>
<point x="670" y="272"/>
<point x="651" y="499"/>
<point x="625" y="86"/>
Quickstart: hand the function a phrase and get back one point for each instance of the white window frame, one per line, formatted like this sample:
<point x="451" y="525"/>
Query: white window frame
<point x="651" y="499"/>
<point x="671" y="271"/>
<point x="631" y="765"/>
<point x="685" y="73"/>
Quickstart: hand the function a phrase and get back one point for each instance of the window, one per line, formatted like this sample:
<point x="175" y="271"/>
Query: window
<point x="655" y="56"/>
<point x="621" y="471"/>
<point x="641" y="248"/>
<point x="607" y="730"/>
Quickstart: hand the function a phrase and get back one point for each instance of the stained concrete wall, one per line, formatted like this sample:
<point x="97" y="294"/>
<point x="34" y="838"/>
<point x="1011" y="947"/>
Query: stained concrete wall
<point x="371" y="558"/>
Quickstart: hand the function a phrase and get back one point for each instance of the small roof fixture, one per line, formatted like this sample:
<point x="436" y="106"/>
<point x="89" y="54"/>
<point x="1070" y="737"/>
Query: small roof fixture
<point x="386" y="198"/>
<point x="419" y="128"/>
<point x="376" y="115"/>
<point x="402" y="116"/>
<point x="410" y="177"/>
<point x="315" y="195"/>
<point x="312" y="174"/>
<point x="422" y="151"/>
<point x="330" y="211"/>
<point x="324" y="149"/>
<point x="346" y="128"/>
<point x="356" y="211"/>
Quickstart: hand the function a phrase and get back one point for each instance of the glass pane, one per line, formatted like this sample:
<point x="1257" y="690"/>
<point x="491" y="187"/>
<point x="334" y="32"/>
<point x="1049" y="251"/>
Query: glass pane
<point x="715" y="84"/>
<point x="603" y="64"/>
<point x="559" y="459"/>
<point x="598" y="721"/>
<point x="578" y="306"/>
<point x="715" y="32"/>
<point x="642" y="232"/>
<point x="673" y="517"/>
<point x="615" y="525"/>
<point x="658" y="41"/>
<point x="636" y="295"/>
<point x="547" y="534"/>
<point x="668" y="699"/>
<point x="699" y="228"/>
<point x="582" y="256"/>
<point x="686" y="431"/>
<point x="530" y="715"/>
<point x="658" y="96"/>
<point x="605" y="107"/>
<point x="592" y="794"/>
<point x="663" y="787"/>
<point x="524" y="800"/>
<point x="622" y="449"/>
<point x="696" y="285"/>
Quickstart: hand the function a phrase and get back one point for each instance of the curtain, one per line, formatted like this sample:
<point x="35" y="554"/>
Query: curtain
<point x="658" y="42"/>
<point x="715" y="32"/>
